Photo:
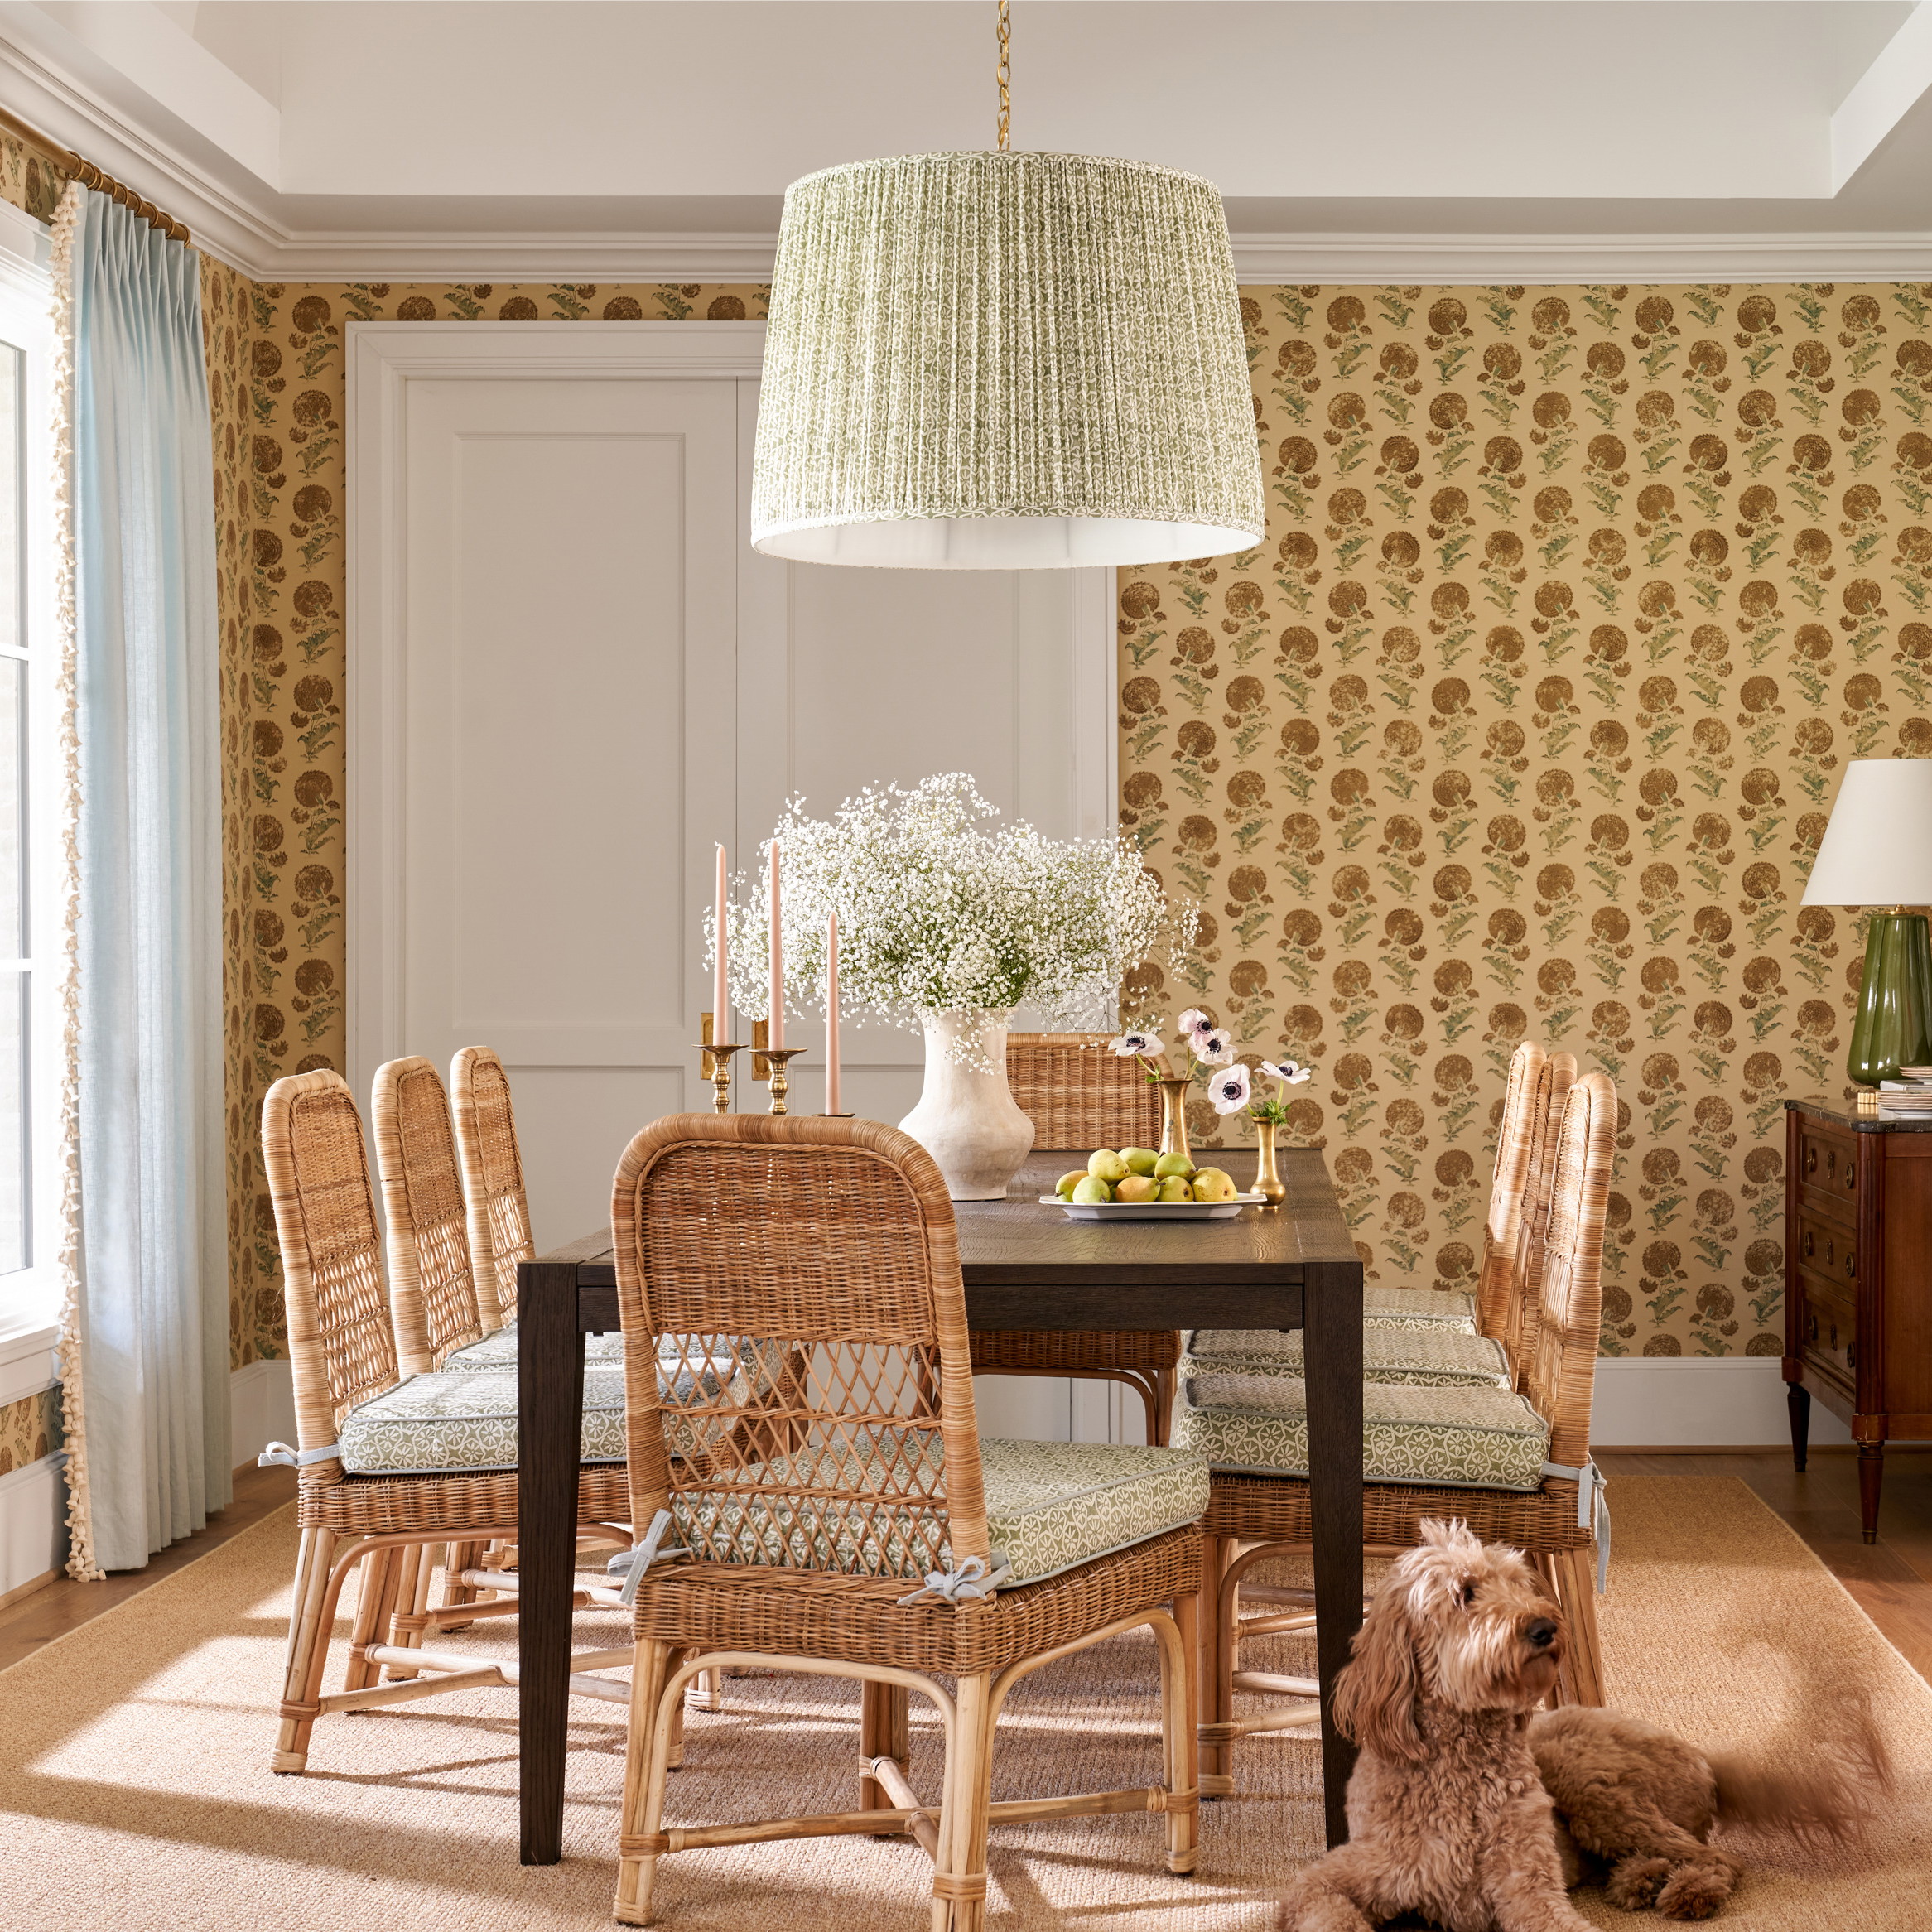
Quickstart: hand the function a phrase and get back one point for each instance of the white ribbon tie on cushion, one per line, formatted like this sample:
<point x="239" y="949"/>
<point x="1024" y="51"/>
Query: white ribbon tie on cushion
<point x="974" y="1577"/>
<point x="1592" y="1513"/>
<point x="281" y="1455"/>
<point x="631" y="1564"/>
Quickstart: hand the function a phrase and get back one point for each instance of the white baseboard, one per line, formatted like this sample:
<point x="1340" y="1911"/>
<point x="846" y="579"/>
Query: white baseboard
<point x="261" y="1410"/>
<point x="1733" y="1401"/>
<point x="33" y="1522"/>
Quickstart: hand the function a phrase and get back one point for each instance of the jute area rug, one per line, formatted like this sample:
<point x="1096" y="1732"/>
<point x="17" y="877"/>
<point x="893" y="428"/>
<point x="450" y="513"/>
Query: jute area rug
<point x="134" y="1788"/>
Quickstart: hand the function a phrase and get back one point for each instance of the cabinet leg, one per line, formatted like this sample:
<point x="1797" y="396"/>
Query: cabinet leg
<point x="1871" y="1479"/>
<point x="1798" y="1400"/>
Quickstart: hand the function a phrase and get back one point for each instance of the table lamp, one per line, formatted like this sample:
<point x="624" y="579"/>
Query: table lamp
<point x="1877" y="851"/>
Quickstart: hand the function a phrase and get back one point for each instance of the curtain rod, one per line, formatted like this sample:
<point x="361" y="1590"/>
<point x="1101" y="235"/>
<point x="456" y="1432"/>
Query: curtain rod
<point x="89" y="176"/>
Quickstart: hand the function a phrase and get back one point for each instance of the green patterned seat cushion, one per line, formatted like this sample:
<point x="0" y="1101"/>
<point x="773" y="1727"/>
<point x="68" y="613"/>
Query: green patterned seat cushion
<point x="434" y="1425"/>
<point x="1418" y="1308"/>
<point x="1050" y="1506"/>
<point x="1429" y="1358"/>
<point x="1465" y="1438"/>
<point x="499" y="1350"/>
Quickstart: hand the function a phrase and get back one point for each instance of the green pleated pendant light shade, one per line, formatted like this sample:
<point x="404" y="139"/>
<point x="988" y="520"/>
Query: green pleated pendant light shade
<point x="1004" y="361"/>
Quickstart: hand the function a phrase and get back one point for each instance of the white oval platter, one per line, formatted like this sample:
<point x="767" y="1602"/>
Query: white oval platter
<point x="1151" y="1210"/>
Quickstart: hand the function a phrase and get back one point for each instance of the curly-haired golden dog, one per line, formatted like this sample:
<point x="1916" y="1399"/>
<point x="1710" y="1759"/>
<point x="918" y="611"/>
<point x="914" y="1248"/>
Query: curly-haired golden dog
<point x="1447" y="1815"/>
<point x="1472" y="1808"/>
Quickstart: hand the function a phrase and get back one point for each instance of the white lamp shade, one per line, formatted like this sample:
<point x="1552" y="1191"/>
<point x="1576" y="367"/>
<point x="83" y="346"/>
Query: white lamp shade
<point x="1877" y="848"/>
<point x="1004" y="361"/>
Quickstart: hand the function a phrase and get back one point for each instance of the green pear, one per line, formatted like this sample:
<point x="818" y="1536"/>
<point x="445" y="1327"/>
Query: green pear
<point x="1141" y="1160"/>
<point x="1212" y="1185"/>
<point x="1137" y="1188"/>
<point x="1170" y="1164"/>
<point x="1176" y="1187"/>
<point x="1107" y="1165"/>
<point x="1093" y="1190"/>
<point x="1067" y="1182"/>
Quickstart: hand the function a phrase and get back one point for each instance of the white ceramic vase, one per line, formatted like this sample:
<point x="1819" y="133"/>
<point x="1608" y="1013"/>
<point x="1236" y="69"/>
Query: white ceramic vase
<point x="966" y="1118"/>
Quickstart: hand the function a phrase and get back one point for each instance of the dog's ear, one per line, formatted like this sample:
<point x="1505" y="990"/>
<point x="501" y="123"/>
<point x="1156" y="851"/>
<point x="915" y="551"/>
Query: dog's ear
<point x="1375" y="1691"/>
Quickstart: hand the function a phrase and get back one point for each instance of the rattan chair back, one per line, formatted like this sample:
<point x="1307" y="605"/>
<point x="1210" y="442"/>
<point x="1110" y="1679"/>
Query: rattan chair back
<point x="1077" y="1094"/>
<point x="432" y="1294"/>
<point x="1553" y="1082"/>
<point x="1514" y="1131"/>
<point x="492" y="1181"/>
<point x="341" y="1348"/>
<point x="1560" y="1350"/>
<point x="798" y="1387"/>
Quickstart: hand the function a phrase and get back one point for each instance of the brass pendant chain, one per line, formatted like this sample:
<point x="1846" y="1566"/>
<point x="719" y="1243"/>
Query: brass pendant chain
<point x="1005" y="75"/>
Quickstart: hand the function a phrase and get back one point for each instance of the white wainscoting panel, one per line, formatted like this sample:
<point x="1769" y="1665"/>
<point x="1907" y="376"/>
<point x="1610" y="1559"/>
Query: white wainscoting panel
<point x="260" y="1409"/>
<point x="33" y="1522"/>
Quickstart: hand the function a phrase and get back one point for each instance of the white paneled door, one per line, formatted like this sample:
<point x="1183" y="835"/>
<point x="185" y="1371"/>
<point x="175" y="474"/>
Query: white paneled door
<point x="570" y="676"/>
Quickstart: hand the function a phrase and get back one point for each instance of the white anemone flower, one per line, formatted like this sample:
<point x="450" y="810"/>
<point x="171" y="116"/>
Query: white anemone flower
<point x="1229" y="1091"/>
<point x="1215" y="1048"/>
<point x="1192" y="1024"/>
<point x="1146" y="1046"/>
<point x="1288" y="1072"/>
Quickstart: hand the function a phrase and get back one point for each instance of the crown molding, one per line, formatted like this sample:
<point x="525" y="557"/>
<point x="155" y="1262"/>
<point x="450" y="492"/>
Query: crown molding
<point x="237" y="229"/>
<point x="1561" y="259"/>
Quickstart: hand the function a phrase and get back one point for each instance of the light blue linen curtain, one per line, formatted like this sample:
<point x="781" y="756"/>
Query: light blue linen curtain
<point x="153" y="1290"/>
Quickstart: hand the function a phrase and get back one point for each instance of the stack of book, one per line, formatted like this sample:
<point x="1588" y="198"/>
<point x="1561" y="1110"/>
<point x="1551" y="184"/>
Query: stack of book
<point x="1908" y="1097"/>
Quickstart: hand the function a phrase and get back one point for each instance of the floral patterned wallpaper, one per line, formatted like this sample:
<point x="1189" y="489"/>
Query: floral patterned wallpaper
<point x="1526" y="717"/>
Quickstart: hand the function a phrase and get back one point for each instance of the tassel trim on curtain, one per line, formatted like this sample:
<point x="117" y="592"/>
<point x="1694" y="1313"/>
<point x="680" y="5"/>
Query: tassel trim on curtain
<point x="80" y="1559"/>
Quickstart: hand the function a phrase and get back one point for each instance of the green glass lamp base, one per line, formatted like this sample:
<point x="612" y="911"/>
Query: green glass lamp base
<point x="1893" y="1025"/>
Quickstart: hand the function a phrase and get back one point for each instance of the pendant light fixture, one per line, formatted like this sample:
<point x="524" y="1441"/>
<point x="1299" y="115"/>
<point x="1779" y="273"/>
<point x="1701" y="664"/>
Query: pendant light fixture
<point x="1002" y="361"/>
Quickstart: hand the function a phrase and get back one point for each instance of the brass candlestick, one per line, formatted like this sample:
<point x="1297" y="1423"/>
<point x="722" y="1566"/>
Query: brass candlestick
<point x="777" y="1056"/>
<point x="714" y="1065"/>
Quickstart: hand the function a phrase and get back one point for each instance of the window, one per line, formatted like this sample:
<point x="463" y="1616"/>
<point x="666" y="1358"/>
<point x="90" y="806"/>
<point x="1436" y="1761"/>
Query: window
<point x="31" y="763"/>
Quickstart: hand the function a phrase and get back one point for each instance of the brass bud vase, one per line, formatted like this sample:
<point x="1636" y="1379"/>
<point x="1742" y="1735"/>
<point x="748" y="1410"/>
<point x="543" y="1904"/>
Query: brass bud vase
<point x="1173" y="1115"/>
<point x="1267" y="1178"/>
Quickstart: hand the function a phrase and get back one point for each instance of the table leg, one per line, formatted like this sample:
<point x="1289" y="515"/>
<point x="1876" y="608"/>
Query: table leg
<point x="550" y="1402"/>
<point x="1333" y="1351"/>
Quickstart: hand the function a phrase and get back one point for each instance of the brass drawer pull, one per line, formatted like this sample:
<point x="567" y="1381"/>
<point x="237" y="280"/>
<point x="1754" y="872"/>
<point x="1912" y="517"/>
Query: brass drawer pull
<point x="1812" y="1335"/>
<point x="1851" y="1173"/>
<point x="1851" y="1354"/>
<point x="1811" y="1160"/>
<point x="1851" y="1267"/>
<point x="1835" y="1335"/>
<point x="1808" y="1244"/>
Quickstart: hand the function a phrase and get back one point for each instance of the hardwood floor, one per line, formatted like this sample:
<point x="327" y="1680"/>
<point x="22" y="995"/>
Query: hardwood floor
<point x="1891" y="1578"/>
<point x="62" y="1605"/>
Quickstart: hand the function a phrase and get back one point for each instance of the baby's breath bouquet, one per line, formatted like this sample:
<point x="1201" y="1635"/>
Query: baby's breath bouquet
<point x="941" y="911"/>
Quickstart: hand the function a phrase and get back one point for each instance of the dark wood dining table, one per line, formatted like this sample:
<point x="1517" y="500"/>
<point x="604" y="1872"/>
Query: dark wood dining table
<point x="1024" y="1266"/>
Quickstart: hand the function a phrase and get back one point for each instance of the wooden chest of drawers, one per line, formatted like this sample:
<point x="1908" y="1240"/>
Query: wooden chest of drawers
<point x="1858" y="1281"/>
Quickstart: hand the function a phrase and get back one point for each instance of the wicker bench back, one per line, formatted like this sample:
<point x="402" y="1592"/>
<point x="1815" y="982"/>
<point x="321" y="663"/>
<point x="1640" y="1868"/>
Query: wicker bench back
<point x="1554" y="1083"/>
<point x="1496" y="1282"/>
<point x="1560" y="1350"/>
<point x="492" y="1180"/>
<point x="795" y="1325"/>
<point x="432" y="1293"/>
<point x="1077" y="1094"/>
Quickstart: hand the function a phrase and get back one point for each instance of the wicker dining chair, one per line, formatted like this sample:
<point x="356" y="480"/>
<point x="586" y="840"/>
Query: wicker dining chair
<point x="342" y="1352"/>
<point x="1252" y="1426"/>
<point x="493" y="1180"/>
<point x="1078" y="1095"/>
<point x="838" y="1517"/>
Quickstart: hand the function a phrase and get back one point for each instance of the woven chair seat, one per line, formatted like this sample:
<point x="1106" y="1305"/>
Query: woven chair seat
<point x="445" y="1505"/>
<point x="1064" y="1351"/>
<point x="1433" y="1357"/>
<point x="499" y="1350"/>
<point x="1487" y="1438"/>
<point x="1418" y="1308"/>
<point x="1274" y="1509"/>
<point x="1050" y="1506"/>
<point x="816" y="1613"/>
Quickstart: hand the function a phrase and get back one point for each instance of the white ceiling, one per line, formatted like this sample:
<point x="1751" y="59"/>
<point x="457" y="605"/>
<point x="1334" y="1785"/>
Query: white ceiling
<point x="1644" y="139"/>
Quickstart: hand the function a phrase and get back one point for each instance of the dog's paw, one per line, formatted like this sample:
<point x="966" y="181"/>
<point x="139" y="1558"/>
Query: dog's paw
<point x="1696" y="1889"/>
<point x="1635" y="1883"/>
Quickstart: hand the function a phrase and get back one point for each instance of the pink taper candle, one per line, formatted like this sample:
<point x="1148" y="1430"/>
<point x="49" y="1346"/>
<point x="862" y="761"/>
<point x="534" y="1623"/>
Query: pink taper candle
<point x="775" y="1010"/>
<point x="831" y="1019"/>
<point x="721" y="996"/>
